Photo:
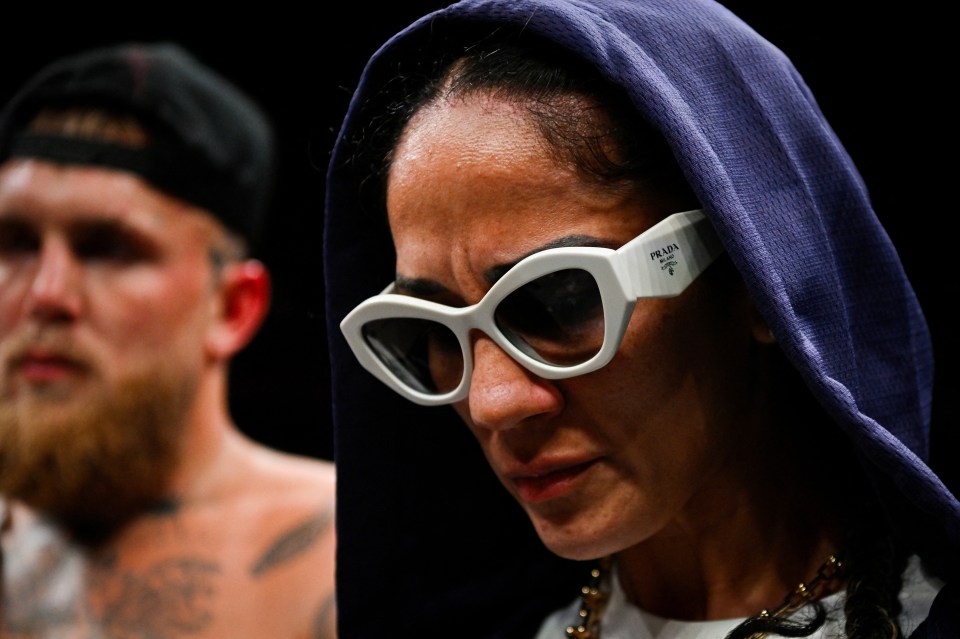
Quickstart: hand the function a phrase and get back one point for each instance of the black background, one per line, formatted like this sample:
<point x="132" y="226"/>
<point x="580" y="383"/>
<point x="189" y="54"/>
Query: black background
<point x="880" y="77"/>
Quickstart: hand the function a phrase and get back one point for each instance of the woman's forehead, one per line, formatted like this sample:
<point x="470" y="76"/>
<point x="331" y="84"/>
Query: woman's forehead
<point x="484" y="135"/>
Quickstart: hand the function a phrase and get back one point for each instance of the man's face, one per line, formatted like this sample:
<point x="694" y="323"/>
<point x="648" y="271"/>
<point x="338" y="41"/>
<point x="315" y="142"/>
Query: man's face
<point x="107" y="292"/>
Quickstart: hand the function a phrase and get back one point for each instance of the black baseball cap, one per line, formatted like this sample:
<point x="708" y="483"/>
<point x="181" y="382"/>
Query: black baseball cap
<point x="211" y="144"/>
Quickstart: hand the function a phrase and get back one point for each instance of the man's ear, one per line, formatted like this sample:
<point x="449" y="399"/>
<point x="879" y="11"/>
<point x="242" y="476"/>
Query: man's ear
<point x="242" y="301"/>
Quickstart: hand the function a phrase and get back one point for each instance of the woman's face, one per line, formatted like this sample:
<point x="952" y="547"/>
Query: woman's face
<point x="602" y="461"/>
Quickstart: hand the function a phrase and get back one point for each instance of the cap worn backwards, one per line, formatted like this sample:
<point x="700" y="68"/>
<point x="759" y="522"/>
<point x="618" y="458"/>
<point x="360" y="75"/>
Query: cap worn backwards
<point x="211" y="145"/>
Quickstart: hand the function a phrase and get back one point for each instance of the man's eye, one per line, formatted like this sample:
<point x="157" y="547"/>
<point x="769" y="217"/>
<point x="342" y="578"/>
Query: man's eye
<point x="17" y="239"/>
<point x="110" y="246"/>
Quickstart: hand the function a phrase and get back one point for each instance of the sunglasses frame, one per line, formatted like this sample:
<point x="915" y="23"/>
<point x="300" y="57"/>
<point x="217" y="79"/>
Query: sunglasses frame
<point x="660" y="262"/>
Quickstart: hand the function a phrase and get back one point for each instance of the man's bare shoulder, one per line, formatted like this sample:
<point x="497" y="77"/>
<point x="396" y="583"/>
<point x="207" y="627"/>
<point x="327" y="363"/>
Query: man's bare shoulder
<point x="295" y="472"/>
<point x="267" y="478"/>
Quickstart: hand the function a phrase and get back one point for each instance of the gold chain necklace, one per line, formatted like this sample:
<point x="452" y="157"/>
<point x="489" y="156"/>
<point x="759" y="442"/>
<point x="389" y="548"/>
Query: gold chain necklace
<point x="593" y="601"/>
<point x="593" y="598"/>
<point x="805" y="592"/>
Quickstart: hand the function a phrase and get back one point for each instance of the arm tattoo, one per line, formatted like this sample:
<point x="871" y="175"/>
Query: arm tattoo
<point x="293" y="542"/>
<point x="324" y="625"/>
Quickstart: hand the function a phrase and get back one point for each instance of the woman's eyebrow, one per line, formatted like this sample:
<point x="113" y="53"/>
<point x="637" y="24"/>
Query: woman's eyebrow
<point x="494" y="273"/>
<point x="418" y="286"/>
<point x="427" y="288"/>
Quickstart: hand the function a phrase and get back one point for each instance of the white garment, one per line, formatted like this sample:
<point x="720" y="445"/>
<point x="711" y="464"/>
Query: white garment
<point x="623" y="620"/>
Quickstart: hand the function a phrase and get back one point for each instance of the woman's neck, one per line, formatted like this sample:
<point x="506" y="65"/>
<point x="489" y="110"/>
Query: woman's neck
<point x="761" y="528"/>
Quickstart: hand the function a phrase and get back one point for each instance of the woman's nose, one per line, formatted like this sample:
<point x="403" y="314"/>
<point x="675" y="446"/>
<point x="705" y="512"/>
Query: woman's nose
<point x="503" y="394"/>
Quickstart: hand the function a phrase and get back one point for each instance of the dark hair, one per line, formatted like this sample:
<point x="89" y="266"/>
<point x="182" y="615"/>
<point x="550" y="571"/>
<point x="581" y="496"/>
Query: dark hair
<point x="585" y="121"/>
<point x="609" y="143"/>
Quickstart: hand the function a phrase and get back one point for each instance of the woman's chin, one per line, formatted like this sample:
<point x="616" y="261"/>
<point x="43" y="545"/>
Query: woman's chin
<point x="577" y="545"/>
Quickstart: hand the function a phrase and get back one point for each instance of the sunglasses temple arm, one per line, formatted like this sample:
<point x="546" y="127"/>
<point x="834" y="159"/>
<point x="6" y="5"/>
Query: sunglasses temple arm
<point x="666" y="258"/>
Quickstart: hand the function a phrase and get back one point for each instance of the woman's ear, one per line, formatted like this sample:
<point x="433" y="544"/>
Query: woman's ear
<point x="758" y="326"/>
<point x="741" y="303"/>
<point x="243" y="299"/>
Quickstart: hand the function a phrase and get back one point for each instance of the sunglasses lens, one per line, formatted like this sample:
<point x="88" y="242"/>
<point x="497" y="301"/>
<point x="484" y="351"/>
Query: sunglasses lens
<point x="556" y="318"/>
<point x="423" y="354"/>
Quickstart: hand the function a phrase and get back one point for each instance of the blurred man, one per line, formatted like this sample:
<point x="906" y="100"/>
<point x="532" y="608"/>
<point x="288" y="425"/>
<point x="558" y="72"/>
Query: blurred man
<point x="132" y="180"/>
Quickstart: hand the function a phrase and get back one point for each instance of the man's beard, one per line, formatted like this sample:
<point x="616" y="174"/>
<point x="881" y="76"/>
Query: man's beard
<point x="89" y="456"/>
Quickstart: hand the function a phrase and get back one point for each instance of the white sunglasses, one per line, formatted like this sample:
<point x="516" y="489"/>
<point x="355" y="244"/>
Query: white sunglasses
<point x="561" y="312"/>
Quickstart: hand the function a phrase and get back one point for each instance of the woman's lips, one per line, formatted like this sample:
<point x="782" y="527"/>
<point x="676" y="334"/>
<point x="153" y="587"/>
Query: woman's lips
<point x="541" y="486"/>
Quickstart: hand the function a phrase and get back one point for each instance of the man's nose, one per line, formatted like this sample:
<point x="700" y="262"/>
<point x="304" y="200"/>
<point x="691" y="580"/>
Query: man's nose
<point x="503" y="393"/>
<point x="54" y="293"/>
